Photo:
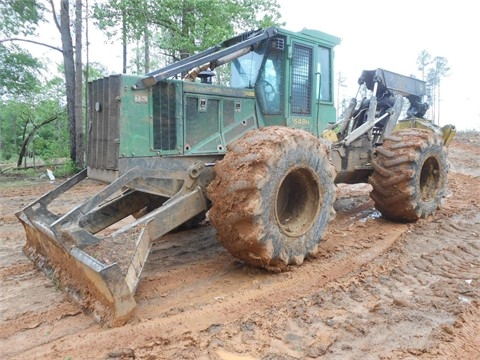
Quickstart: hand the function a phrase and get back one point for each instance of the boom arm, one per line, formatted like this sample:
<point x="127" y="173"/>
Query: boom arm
<point x="216" y="55"/>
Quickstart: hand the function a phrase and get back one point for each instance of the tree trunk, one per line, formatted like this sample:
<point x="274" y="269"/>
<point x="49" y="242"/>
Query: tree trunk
<point x="124" y="44"/>
<point x="68" y="62"/>
<point x="438" y="102"/>
<point x="79" y="146"/>
<point x="26" y="140"/>
<point x="147" y="49"/>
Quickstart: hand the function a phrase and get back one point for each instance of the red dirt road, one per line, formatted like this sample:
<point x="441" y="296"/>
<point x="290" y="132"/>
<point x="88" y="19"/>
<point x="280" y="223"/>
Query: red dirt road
<point x="376" y="289"/>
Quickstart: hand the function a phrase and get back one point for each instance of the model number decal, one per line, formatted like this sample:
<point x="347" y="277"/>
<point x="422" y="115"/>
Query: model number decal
<point x="298" y="121"/>
<point x="141" y="99"/>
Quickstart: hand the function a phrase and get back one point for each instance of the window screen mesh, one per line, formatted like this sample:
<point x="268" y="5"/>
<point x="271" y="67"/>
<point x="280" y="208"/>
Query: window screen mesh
<point x="302" y="80"/>
<point x="164" y="116"/>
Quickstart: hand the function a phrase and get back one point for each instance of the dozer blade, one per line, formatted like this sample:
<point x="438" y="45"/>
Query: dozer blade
<point x="101" y="273"/>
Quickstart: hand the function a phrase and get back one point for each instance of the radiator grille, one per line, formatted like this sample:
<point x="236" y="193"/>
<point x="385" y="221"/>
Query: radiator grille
<point x="164" y="116"/>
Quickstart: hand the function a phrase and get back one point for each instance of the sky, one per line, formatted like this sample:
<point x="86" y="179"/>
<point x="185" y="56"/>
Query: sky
<point x="377" y="34"/>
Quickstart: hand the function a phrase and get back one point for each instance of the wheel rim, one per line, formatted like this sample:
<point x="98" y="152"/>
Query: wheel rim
<point x="297" y="201"/>
<point x="429" y="178"/>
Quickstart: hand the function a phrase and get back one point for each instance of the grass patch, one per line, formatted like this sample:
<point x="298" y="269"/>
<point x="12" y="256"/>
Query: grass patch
<point x="12" y="176"/>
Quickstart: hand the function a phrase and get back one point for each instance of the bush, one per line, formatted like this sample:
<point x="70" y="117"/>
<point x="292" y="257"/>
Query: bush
<point x="67" y="169"/>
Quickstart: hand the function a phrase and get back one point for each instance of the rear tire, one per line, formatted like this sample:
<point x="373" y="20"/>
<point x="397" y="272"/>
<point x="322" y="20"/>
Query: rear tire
<point x="410" y="175"/>
<point x="273" y="197"/>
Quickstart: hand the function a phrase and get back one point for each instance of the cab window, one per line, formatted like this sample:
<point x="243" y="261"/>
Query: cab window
<point x="270" y="83"/>
<point x="325" y="74"/>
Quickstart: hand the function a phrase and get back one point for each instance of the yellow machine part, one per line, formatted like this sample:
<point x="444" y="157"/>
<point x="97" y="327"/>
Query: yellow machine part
<point x="330" y="135"/>
<point x="448" y="131"/>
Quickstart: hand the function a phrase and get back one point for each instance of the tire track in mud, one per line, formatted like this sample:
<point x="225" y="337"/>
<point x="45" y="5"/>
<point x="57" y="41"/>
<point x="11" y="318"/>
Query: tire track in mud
<point x="218" y="284"/>
<point x="214" y="274"/>
<point x="425" y="281"/>
<point x="462" y="339"/>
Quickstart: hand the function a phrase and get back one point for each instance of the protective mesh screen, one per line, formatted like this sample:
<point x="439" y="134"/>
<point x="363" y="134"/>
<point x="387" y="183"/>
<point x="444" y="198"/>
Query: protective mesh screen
<point x="164" y="116"/>
<point x="302" y="80"/>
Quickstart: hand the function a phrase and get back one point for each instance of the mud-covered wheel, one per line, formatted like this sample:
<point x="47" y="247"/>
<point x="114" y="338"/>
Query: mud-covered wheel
<point x="410" y="175"/>
<point x="273" y="196"/>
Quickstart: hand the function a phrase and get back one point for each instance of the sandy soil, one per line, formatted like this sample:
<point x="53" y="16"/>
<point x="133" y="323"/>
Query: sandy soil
<point x="375" y="290"/>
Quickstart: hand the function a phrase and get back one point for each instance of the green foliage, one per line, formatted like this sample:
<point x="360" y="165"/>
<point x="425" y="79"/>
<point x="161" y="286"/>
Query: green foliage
<point x="95" y="71"/>
<point x="19" y="72"/>
<point x="432" y="69"/>
<point x="66" y="169"/>
<point x="34" y="107"/>
<point x="51" y="141"/>
<point x="178" y="28"/>
<point x="20" y="17"/>
<point x="39" y="113"/>
<point x="424" y="59"/>
<point x="10" y="130"/>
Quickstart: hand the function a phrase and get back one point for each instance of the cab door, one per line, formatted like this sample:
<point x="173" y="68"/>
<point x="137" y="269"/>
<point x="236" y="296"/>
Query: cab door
<point x="310" y="105"/>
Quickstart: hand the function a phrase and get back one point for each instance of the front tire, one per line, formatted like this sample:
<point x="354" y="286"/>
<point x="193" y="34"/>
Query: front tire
<point x="410" y="175"/>
<point x="273" y="196"/>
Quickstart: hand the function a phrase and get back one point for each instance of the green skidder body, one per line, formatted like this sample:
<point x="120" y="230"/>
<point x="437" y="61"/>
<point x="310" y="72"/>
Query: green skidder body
<point x="285" y="79"/>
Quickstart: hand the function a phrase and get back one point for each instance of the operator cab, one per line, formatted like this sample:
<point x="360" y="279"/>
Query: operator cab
<point x="292" y="74"/>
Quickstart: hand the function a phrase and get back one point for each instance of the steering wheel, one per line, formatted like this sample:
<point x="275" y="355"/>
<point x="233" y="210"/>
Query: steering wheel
<point x="269" y="90"/>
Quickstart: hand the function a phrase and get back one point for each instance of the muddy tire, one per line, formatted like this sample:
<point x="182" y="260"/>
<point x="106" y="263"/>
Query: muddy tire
<point x="273" y="197"/>
<point x="410" y="175"/>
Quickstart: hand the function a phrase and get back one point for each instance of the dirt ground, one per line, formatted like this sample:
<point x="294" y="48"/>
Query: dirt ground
<point x="376" y="290"/>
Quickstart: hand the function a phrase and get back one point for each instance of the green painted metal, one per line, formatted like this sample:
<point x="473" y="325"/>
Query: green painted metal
<point x="175" y="117"/>
<point x="215" y="115"/>
<point x="134" y="118"/>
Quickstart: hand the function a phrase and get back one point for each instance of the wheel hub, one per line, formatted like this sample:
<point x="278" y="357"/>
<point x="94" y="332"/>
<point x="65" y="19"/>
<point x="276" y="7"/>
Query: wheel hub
<point x="298" y="201"/>
<point x="429" y="178"/>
